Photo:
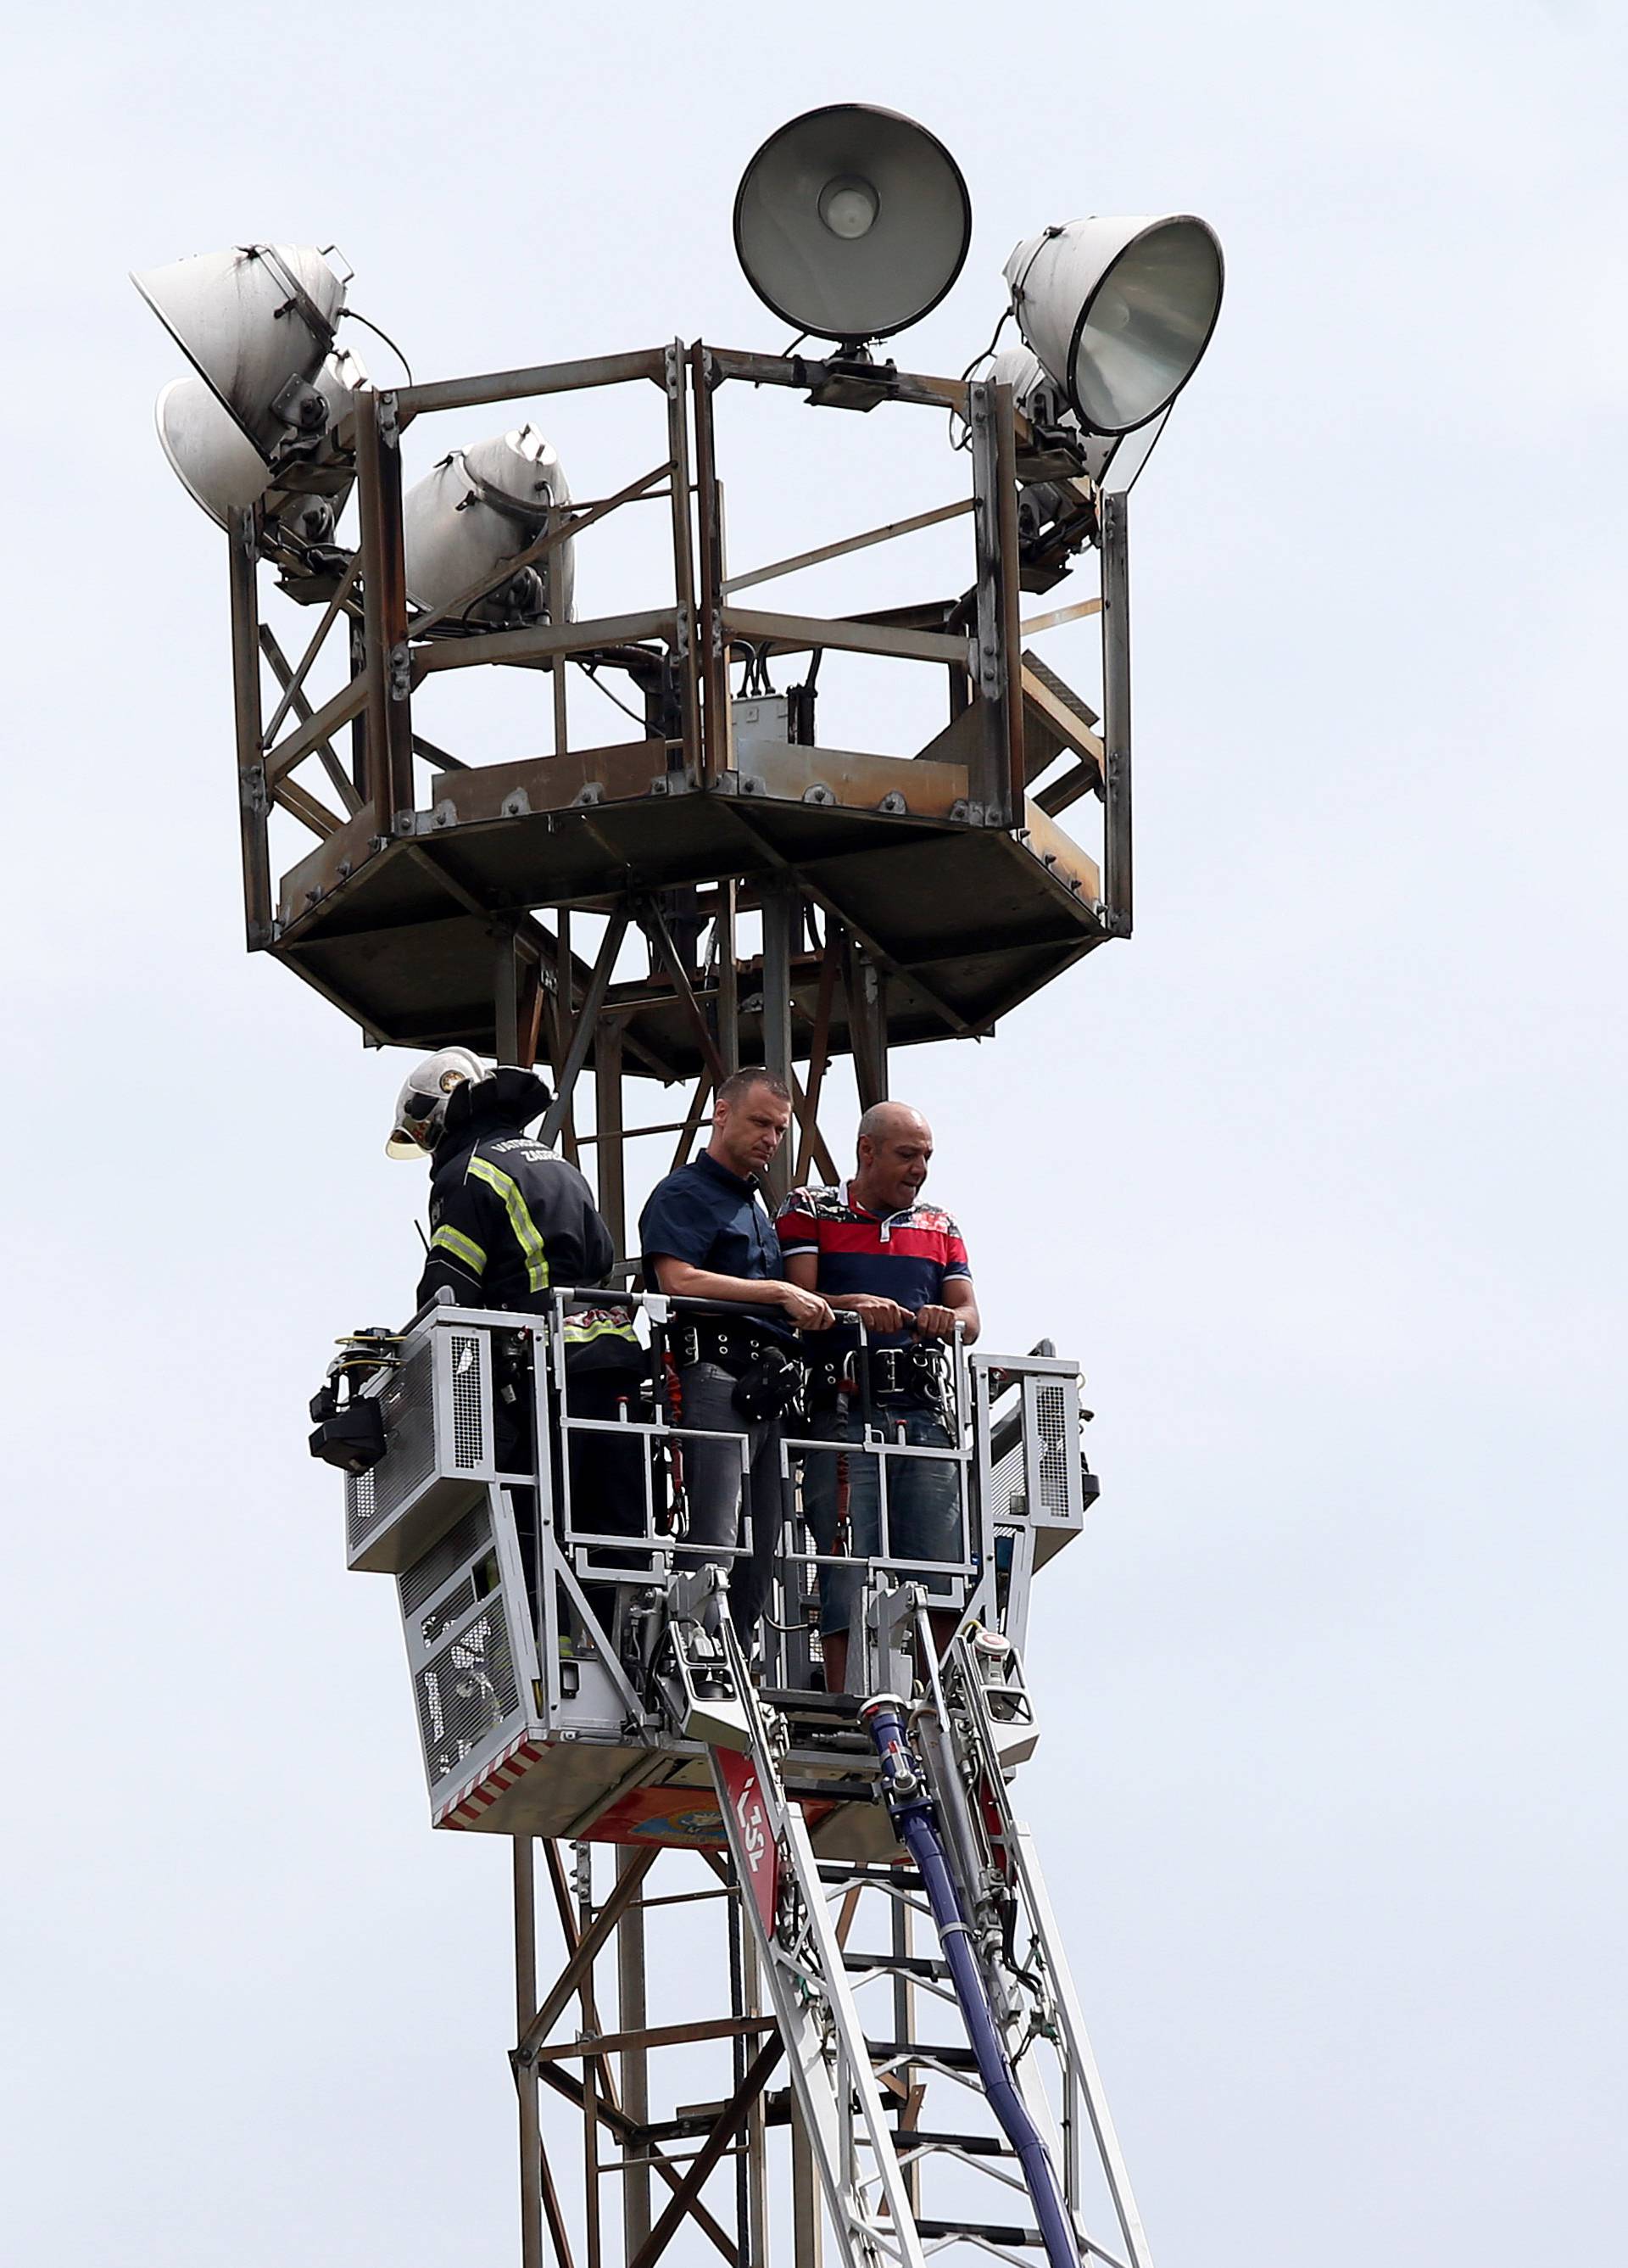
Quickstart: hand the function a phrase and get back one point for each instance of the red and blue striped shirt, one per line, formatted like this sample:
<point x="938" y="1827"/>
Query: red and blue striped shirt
<point x="908" y="1256"/>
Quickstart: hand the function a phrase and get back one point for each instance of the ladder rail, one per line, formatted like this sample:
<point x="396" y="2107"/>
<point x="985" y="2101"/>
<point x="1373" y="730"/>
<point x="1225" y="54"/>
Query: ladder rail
<point x="972" y="1869"/>
<point x="962" y="1934"/>
<point x="949" y="1771"/>
<point x="1029" y="1881"/>
<point x="830" y="2064"/>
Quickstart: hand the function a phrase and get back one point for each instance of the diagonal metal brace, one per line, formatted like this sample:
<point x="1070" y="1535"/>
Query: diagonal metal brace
<point x="581" y="1960"/>
<point x="725" y="2127"/>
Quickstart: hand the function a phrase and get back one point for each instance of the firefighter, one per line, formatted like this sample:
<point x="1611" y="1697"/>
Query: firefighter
<point x="508" y="1220"/>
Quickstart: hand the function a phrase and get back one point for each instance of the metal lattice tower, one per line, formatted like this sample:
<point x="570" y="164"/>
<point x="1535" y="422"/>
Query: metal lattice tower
<point x="793" y="903"/>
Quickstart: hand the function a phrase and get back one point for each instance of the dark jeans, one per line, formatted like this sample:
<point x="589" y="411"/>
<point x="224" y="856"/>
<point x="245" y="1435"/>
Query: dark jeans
<point x="607" y="1480"/>
<point x="924" y="1505"/>
<point x="712" y="1471"/>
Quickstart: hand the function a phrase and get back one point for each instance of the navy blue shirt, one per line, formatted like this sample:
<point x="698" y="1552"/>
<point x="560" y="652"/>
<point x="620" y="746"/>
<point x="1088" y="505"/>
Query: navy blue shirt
<point x="710" y="1217"/>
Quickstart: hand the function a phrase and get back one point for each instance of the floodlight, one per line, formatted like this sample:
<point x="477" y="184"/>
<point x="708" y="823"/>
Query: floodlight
<point x="222" y="471"/>
<point x="210" y="453"/>
<point x="478" y="508"/>
<point x="852" y="222"/>
<point x="257" y="324"/>
<point x="1118" y="312"/>
<point x="1060" y="446"/>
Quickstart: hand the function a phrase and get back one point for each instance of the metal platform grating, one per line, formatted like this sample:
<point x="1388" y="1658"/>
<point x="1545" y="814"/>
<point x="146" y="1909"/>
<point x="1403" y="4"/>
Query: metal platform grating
<point x="410" y="1460"/>
<point x="472" y="1535"/>
<point x="1056" y="1432"/>
<point x="469" y="1402"/>
<point x="467" y="1693"/>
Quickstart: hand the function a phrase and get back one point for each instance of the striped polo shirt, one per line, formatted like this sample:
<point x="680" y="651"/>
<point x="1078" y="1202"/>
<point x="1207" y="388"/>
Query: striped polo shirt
<point x="908" y="1256"/>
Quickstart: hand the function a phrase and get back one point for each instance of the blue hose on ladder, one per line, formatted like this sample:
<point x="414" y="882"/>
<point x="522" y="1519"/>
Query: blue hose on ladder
<point x="914" y="1814"/>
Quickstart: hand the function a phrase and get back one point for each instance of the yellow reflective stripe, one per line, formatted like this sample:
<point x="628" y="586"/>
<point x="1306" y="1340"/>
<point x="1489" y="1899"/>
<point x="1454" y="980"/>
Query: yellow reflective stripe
<point x="461" y="1248"/>
<point x="605" y="1327"/>
<point x="520" y="1221"/>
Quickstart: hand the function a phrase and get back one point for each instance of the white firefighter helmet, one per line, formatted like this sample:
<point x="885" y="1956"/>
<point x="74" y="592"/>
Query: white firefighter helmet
<point x="420" y="1107"/>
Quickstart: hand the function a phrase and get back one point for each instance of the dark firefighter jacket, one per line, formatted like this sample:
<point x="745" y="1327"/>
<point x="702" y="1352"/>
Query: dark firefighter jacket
<point x="508" y="1221"/>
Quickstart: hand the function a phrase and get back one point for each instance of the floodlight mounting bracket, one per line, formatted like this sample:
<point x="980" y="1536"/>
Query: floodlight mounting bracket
<point x="849" y="379"/>
<point x="1051" y="454"/>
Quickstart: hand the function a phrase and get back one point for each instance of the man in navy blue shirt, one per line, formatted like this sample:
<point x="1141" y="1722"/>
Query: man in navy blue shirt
<point x="705" y="1235"/>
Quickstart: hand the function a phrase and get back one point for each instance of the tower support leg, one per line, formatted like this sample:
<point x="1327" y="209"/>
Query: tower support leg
<point x="526" y="2081"/>
<point x="631" y="2014"/>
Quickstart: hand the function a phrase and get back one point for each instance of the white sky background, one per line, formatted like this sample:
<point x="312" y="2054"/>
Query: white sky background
<point x="1315" y="1174"/>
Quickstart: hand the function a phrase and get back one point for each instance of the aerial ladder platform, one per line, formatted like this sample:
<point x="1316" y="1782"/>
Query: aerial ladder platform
<point x="912" y="2014"/>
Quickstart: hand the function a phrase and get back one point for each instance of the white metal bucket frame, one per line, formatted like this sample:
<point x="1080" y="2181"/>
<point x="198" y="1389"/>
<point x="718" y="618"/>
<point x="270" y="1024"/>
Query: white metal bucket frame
<point x="989" y="1583"/>
<point x="970" y="1575"/>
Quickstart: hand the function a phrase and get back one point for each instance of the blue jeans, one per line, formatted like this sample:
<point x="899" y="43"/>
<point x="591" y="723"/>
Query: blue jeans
<point x="713" y="1478"/>
<point x="924" y="1506"/>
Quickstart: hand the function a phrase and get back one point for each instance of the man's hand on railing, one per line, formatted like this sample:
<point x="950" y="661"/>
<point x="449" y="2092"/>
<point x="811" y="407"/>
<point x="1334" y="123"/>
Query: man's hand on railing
<point x="876" y="1313"/>
<point x="806" y="1309"/>
<point x="935" y="1323"/>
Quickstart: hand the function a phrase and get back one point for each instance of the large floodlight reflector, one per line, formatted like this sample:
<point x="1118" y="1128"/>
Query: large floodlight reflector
<point x="217" y="464"/>
<point x="1119" y="312"/>
<point x="257" y="324"/>
<point x="210" y="453"/>
<point x="478" y="508"/>
<point x="852" y="222"/>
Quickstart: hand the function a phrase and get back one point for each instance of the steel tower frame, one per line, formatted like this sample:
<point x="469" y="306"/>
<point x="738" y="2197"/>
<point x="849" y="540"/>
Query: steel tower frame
<point x="910" y="896"/>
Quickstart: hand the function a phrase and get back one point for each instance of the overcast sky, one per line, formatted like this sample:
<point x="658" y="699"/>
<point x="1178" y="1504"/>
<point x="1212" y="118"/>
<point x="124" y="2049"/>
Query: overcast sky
<point x="1320" y="1175"/>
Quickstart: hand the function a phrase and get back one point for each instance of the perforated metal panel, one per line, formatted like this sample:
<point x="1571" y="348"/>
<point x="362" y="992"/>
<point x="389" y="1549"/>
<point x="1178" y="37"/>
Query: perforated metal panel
<point x="472" y="1535"/>
<point x="1006" y="1484"/>
<point x="1031" y="1482"/>
<point x="1056" y="1424"/>
<point x="470" y="1403"/>
<point x="360" y="1509"/>
<point x="407" y="1396"/>
<point x="440" y="1447"/>
<point x="467" y="1694"/>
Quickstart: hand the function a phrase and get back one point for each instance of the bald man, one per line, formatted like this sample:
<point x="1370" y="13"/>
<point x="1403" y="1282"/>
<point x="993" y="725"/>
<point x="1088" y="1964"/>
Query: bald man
<point x="874" y="1253"/>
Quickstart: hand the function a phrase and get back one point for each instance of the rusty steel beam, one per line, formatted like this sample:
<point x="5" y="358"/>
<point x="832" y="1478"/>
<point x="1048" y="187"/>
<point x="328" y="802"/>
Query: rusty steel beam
<point x="322" y="724"/>
<point x="343" y="786"/>
<point x="908" y="386"/>
<point x="543" y="641"/>
<point x="1117" y="882"/>
<point x="676" y="378"/>
<point x="529" y="2048"/>
<point x="652" y="921"/>
<point x="713" y="658"/>
<point x="387" y="671"/>
<point x="307" y="808"/>
<point x="724" y="2128"/>
<point x="600" y="2102"/>
<point x="652" y="2036"/>
<point x="1009" y="594"/>
<point x="539" y="378"/>
<point x="608" y="2113"/>
<point x="292" y="685"/>
<point x="253" y="785"/>
<point x="799" y="633"/>
<point x="820" y="1049"/>
<point x="847" y="544"/>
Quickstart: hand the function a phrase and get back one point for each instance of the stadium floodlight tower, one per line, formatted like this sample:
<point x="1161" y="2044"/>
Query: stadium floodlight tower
<point x="902" y="2067"/>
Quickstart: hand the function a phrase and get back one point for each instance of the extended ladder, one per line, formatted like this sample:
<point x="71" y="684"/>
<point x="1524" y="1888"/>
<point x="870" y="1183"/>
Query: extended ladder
<point x="986" y="2016"/>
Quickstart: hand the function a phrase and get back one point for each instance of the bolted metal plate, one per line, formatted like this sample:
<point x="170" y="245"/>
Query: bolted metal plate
<point x="970" y="920"/>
